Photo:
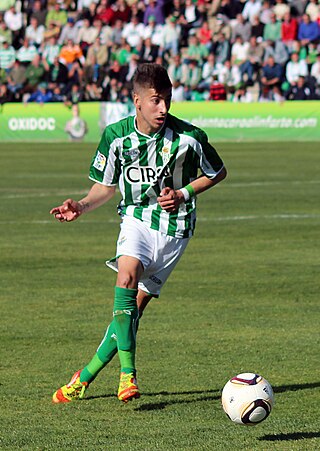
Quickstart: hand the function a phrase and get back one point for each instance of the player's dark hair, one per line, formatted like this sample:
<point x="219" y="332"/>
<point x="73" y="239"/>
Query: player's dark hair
<point x="151" y="75"/>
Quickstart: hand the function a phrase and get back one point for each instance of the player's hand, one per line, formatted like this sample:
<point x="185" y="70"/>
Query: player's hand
<point x="170" y="199"/>
<point x="68" y="211"/>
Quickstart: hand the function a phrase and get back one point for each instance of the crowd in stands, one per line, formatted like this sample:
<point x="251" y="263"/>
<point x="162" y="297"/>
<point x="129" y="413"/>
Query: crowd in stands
<point x="87" y="50"/>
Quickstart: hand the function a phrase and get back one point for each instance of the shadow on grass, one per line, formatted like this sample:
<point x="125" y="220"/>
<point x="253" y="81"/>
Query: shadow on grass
<point x="291" y="436"/>
<point x="206" y="395"/>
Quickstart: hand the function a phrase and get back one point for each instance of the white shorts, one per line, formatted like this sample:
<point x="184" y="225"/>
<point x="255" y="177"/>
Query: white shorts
<point x="157" y="252"/>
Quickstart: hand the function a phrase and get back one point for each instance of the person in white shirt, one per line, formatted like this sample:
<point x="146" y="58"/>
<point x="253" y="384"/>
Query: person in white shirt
<point x="239" y="51"/>
<point x="34" y="32"/>
<point x="251" y="9"/>
<point x="14" y="21"/>
<point x="295" y="69"/>
<point x="315" y="70"/>
<point x="133" y="32"/>
<point x="154" y="31"/>
<point x="171" y="36"/>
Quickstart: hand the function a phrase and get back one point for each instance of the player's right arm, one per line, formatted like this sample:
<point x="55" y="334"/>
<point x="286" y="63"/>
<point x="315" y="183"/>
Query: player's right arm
<point x="71" y="209"/>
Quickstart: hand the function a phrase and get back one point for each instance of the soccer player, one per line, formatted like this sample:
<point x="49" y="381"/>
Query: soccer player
<point x="154" y="158"/>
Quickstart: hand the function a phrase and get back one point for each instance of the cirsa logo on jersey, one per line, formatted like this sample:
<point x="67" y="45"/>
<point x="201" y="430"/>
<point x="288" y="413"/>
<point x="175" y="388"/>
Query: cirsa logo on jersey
<point x="141" y="174"/>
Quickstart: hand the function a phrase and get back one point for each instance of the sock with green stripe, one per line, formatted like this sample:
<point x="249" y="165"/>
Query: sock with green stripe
<point x="125" y="316"/>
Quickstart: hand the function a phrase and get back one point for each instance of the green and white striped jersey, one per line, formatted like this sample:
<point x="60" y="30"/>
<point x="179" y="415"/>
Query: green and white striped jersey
<point x="143" y="165"/>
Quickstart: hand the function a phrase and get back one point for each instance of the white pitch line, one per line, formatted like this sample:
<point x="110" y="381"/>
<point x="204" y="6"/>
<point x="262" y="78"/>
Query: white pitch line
<point x="200" y="219"/>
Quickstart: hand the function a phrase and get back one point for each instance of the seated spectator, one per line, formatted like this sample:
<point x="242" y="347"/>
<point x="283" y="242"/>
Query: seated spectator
<point x="5" y="33"/>
<point x="121" y="11"/>
<point x="104" y="32"/>
<point x="178" y="93"/>
<point x="251" y="9"/>
<point x="308" y="31"/>
<point x="133" y="32"/>
<point x="221" y="49"/>
<point x="116" y="35"/>
<point x="289" y="30"/>
<point x="56" y="16"/>
<point x="41" y="95"/>
<point x="154" y="32"/>
<point x="278" y="51"/>
<point x="155" y="9"/>
<point x="37" y="9"/>
<point x="191" y="18"/>
<point x="175" y="69"/>
<point x="34" y="32"/>
<point x="26" y="52"/>
<point x="71" y="53"/>
<point x="117" y="72"/>
<point x="50" y="51"/>
<point x="209" y="70"/>
<point x="217" y="91"/>
<point x="195" y="50"/>
<point x="254" y="60"/>
<point x="105" y="12"/>
<point x="96" y="59"/>
<point x="299" y="91"/>
<point x="57" y="73"/>
<point x="265" y="12"/>
<point x="220" y="24"/>
<point x="93" y="92"/>
<point x="227" y="8"/>
<point x="69" y="31"/>
<point x="312" y="54"/>
<point x="295" y="68"/>
<point x="239" y="51"/>
<point x="204" y="35"/>
<point x="191" y="76"/>
<point x="111" y="90"/>
<point x="57" y="95"/>
<point x="74" y="95"/>
<point x="280" y="9"/>
<point x="241" y="28"/>
<point x="271" y="79"/>
<point x="17" y="79"/>
<point x="133" y="64"/>
<point x="34" y="75"/>
<point x="51" y="31"/>
<point x="7" y="56"/>
<point x="242" y="95"/>
<point x="14" y="21"/>
<point x="6" y="96"/>
<point x="171" y="37"/>
<point x="87" y="34"/>
<point x="148" y="52"/>
<point x="175" y="9"/>
<point x="272" y="30"/>
<point x="313" y="10"/>
<point x="229" y="76"/>
<point x="257" y="28"/>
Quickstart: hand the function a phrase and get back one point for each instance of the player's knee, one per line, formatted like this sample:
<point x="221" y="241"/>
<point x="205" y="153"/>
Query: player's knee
<point x="127" y="280"/>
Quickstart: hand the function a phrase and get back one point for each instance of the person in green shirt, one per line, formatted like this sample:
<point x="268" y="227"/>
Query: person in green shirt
<point x="154" y="158"/>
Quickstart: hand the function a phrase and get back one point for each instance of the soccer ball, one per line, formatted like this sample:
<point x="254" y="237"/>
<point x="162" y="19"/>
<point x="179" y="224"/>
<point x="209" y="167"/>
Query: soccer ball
<point x="247" y="399"/>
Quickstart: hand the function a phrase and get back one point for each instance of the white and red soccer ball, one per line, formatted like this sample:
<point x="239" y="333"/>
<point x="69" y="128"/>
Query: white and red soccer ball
<point x="247" y="399"/>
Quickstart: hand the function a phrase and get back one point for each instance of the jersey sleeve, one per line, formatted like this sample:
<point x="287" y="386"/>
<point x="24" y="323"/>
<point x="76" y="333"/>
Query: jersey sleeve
<point x="105" y="165"/>
<point x="210" y="163"/>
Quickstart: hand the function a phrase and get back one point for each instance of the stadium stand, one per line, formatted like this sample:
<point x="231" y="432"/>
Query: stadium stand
<point x="87" y="50"/>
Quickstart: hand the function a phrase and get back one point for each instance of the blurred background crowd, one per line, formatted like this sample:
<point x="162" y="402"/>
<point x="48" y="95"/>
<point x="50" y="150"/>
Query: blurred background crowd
<point x="87" y="50"/>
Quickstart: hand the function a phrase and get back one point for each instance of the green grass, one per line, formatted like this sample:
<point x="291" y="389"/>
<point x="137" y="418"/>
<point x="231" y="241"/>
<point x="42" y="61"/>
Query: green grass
<point x="245" y="297"/>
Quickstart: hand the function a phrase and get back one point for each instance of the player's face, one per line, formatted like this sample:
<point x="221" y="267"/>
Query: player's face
<point x="152" y="109"/>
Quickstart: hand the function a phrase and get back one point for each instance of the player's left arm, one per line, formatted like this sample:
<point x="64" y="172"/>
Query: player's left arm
<point x="170" y="199"/>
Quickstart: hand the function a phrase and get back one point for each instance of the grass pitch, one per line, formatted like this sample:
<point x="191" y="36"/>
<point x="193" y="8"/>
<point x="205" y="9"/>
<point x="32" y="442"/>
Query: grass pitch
<point x="245" y="297"/>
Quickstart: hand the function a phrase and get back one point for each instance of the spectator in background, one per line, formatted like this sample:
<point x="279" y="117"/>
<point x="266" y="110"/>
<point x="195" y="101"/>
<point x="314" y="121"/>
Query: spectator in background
<point x="56" y="16"/>
<point x="39" y="12"/>
<point x="272" y="30"/>
<point x="308" y="31"/>
<point x="7" y="56"/>
<point x="97" y="57"/>
<point x="110" y="90"/>
<point x="217" y="90"/>
<point x="69" y="31"/>
<point x="278" y="51"/>
<point x="221" y="49"/>
<point x="17" y="79"/>
<point x="230" y="77"/>
<point x="251" y="9"/>
<point x="266" y="12"/>
<point x="295" y="69"/>
<point x="34" y="75"/>
<point x="87" y="34"/>
<point x="280" y="9"/>
<point x="5" y="95"/>
<point x="50" y="51"/>
<point x="242" y="95"/>
<point x="241" y="28"/>
<point x="257" y="28"/>
<point x="5" y="33"/>
<point x="154" y="32"/>
<point x="175" y="69"/>
<point x="41" y="95"/>
<point x="148" y="52"/>
<point x="315" y="70"/>
<point x="74" y="95"/>
<point x="300" y="91"/>
<point x="105" y="12"/>
<point x="271" y="79"/>
<point x="209" y="70"/>
<point x="239" y="51"/>
<point x="121" y="11"/>
<point x="289" y="30"/>
<point x="205" y="34"/>
<point x="71" y="53"/>
<point x="253" y="62"/>
<point x="14" y="21"/>
<point x="57" y="73"/>
<point x="116" y="35"/>
<point x="34" y="32"/>
<point x="27" y="52"/>
<point x="133" y="32"/>
<point x="313" y="10"/>
<point x="171" y="37"/>
<point x="196" y="50"/>
<point x="155" y="9"/>
<point x="191" y="76"/>
<point x="191" y="18"/>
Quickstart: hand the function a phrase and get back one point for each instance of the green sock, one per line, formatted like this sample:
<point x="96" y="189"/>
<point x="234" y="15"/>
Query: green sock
<point x="125" y="316"/>
<point x="105" y="352"/>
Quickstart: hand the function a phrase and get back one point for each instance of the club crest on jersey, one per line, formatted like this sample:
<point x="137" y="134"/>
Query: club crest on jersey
<point x="146" y="175"/>
<point x="165" y="152"/>
<point x="100" y="161"/>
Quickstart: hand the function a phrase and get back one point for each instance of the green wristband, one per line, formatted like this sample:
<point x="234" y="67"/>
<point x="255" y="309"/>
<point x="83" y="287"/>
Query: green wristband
<point x="190" y="190"/>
